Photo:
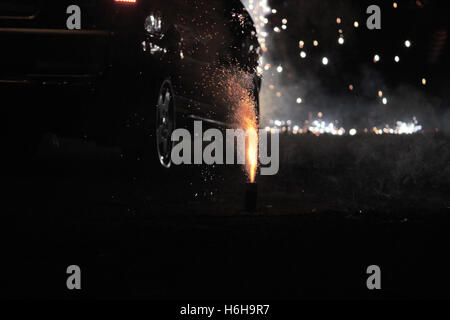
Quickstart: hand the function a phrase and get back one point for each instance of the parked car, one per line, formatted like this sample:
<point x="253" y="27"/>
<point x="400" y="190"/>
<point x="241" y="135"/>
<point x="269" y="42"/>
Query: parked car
<point x="131" y="74"/>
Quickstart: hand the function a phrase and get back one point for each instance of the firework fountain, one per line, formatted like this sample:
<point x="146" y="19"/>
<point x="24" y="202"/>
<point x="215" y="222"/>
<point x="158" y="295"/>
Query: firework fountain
<point x="258" y="9"/>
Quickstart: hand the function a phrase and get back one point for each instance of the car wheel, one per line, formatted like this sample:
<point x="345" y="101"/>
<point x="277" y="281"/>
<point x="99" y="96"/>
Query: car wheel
<point x="165" y="123"/>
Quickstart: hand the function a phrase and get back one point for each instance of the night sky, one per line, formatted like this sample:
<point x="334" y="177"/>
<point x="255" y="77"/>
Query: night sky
<point x="415" y="86"/>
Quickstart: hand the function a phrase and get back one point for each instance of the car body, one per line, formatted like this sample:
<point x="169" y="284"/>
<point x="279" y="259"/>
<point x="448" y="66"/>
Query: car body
<point x="106" y="77"/>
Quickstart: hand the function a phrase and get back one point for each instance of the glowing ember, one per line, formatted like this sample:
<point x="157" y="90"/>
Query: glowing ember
<point x="237" y="90"/>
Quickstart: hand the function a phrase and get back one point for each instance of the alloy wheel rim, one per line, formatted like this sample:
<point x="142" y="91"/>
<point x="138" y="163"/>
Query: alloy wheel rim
<point x="164" y="125"/>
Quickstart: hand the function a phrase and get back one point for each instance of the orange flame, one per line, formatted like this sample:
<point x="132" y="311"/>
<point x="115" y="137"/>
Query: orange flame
<point x="248" y="121"/>
<point x="252" y="153"/>
<point x="246" y="117"/>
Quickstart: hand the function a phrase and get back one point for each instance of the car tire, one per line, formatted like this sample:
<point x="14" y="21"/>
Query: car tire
<point x="165" y="123"/>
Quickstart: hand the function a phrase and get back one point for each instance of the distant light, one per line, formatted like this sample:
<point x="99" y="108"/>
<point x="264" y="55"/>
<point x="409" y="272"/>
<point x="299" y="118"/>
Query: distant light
<point x="338" y="20"/>
<point x="341" y="40"/>
<point x="315" y="43"/>
<point x="280" y="69"/>
<point x="301" y="44"/>
<point x="274" y="11"/>
<point x="424" y="81"/>
<point x="284" y="27"/>
<point x="284" y="21"/>
<point x="325" y="61"/>
<point x="395" y="5"/>
<point x="303" y="54"/>
<point x="407" y="43"/>
<point x="376" y="58"/>
<point x="320" y="114"/>
<point x="385" y="101"/>
<point x="350" y="87"/>
<point x="352" y="132"/>
<point x="380" y="93"/>
<point x="278" y="94"/>
<point x="276" y="29"/>
<point x="356" y="24"/>
<point x="259" y="70"/>
<point x="299" y="100"/>
<point x="397" y="59"/>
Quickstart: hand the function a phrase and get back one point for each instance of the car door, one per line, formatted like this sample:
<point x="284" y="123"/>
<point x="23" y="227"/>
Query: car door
<point x="205" y="38"/>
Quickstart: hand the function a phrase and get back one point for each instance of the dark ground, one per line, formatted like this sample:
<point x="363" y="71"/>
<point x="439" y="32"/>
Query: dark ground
<point x="338" y="205"/>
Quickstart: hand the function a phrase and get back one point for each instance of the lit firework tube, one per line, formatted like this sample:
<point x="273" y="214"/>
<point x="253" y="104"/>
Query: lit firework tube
<point x="251" y="197"/>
